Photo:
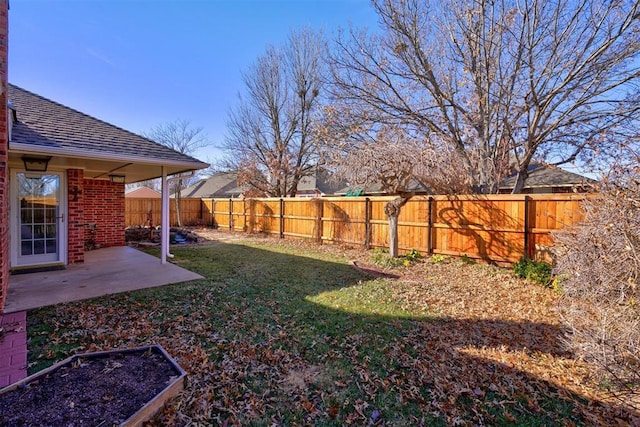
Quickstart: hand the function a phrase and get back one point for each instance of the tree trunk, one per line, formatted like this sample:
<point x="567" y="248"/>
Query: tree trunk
<point x="520" y="178"/>
<point x="392" y="210"/>
<point x="393" y="236"/>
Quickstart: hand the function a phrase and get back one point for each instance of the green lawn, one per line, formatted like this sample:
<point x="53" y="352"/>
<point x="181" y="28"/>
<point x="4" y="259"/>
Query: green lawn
<point x="289" y="335"/>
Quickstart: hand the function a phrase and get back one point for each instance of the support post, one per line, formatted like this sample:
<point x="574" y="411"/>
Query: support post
<point x="164" y="226"/>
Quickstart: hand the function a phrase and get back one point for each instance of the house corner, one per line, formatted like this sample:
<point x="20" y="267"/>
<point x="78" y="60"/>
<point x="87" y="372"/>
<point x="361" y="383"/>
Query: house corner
<point x="4" y="154"/>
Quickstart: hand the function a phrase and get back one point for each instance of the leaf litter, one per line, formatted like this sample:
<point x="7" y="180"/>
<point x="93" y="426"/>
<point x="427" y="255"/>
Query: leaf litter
<point x="479" y="346"/>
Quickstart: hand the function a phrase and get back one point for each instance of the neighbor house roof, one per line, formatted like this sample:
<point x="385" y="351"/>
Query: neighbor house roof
<point x="221" y="184"/>
<point x="142" y="193"/>
<point x="547" y="176"/>
<point x="414" y="186"/>
<point x="225" y="184"/>
<point x="320" y="180"/>
<point x="45" y="127"/>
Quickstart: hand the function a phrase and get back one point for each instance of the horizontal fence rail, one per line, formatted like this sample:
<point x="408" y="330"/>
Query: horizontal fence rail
<point x="495" y="228"/>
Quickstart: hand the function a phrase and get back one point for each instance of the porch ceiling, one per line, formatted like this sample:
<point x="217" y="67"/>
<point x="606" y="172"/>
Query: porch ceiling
<point x="134" y="169"/>
<point x="105" y="271"/>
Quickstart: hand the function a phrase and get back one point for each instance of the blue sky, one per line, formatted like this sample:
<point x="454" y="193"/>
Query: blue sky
<point x="140" y="63"/>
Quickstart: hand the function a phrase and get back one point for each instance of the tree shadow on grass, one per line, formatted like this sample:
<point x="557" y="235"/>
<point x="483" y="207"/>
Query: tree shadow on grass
<point x="272" y="336"/>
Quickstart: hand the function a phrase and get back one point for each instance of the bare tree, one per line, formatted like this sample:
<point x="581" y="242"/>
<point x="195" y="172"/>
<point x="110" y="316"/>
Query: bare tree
<point x="270" y="140"/>
<point x="390" y="157"/>
<point x="153" y="184"/>
<point x="499" y="82"/>
<point x="182" y="137"/>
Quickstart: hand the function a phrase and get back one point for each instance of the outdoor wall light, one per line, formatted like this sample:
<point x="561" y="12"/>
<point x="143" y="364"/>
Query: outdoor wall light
<point x="36" y="164"/>
<point x="119" y="179"/>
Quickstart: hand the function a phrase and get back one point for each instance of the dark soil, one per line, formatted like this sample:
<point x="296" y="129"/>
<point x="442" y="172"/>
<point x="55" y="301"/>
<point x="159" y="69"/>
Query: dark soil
<point x="101" y="390"/>
<point x="373" y="270"/>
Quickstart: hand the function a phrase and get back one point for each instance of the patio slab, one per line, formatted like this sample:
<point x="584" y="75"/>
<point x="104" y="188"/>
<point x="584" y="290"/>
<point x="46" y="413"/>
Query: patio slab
<point x="105" y="271"/>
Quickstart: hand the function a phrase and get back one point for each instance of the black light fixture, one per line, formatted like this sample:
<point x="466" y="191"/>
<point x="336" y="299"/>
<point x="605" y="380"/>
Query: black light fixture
<point x="36" y="164"/>
<point x="119" y="179"/>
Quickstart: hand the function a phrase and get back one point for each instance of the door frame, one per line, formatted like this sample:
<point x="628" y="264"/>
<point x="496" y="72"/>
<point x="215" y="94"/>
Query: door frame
<point x="14" y="212"/>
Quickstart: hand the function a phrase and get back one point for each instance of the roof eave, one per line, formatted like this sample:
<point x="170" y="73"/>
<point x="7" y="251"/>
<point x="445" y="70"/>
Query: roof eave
<point x="18" y="147"/>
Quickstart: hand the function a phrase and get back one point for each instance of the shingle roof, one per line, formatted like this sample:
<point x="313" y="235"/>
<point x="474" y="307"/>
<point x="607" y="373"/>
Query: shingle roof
<point x="320" y="180"/>
<point x="143" y="193"/>
<point x="222" y="184"/>
<point x="413" y="186"/>
<point x="547" y="176"/>
<point x="48" y="124"/>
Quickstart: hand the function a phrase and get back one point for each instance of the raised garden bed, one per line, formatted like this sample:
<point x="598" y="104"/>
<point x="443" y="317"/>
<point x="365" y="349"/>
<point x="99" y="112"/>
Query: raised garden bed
<point x="119" y="387"/>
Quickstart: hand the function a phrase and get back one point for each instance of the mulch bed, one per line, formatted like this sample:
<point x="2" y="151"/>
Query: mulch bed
<point x="97" y="391"/>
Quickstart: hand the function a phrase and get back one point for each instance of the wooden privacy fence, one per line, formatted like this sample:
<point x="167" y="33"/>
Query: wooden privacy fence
<point x="143" y="211"/>
<point x="498" y="228"/>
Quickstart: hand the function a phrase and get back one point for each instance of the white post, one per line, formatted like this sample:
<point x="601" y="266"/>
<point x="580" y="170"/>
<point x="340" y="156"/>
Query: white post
<point x="164" y="231"/>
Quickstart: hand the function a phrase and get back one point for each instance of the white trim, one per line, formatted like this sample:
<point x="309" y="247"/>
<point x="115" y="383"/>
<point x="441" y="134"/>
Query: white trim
<point x="14" y="212"/>
<point x="16" y="147"/>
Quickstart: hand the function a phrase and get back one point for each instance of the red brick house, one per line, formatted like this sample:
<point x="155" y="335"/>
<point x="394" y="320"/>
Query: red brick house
<point x="62" y="178"/>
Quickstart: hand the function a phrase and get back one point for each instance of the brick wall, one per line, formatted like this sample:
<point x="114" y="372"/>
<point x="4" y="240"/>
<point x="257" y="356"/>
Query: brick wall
<point x="75" y="215"/>
<point x="104" y="206"/>
<point x="4" y="156"/>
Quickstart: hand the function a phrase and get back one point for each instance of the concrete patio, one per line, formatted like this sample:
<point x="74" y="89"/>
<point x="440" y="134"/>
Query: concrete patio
<point x="105" y="271"/>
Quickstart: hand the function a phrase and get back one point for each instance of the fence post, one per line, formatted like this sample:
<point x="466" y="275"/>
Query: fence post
<point x="281" y="218"/>
<point x="319" y="204"/>
<point x="213" y="213"/>
<point x="248" y="215"/>
<point x="367" y="223"/>
<point x="526" y="226"/>
<point x="230" y="213"/>
<point x="430" y="226"/>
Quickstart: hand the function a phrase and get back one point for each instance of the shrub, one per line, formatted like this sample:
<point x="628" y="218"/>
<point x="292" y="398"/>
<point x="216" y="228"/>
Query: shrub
<point x="600" y="262"/>
<point x="438" y="258"/>
<point x="413" y="255"/>
<point x="467" y="260"/>
<point x="536" y="271"/>
<point x="381" y="257"/>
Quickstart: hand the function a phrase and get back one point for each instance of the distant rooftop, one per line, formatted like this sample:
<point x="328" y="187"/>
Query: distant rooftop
<point x="543" y="176"/>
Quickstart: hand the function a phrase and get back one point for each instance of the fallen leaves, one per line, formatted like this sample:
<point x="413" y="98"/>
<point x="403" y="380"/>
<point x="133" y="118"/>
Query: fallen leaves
<point x="264" y="342"/>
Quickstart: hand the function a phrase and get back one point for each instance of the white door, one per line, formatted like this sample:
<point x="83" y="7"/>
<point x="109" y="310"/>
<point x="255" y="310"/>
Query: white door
<point x="38" y="214"/>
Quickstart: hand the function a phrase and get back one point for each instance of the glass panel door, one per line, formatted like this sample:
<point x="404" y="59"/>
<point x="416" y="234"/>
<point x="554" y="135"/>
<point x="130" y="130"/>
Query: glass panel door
<point x="39" y="218"/>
